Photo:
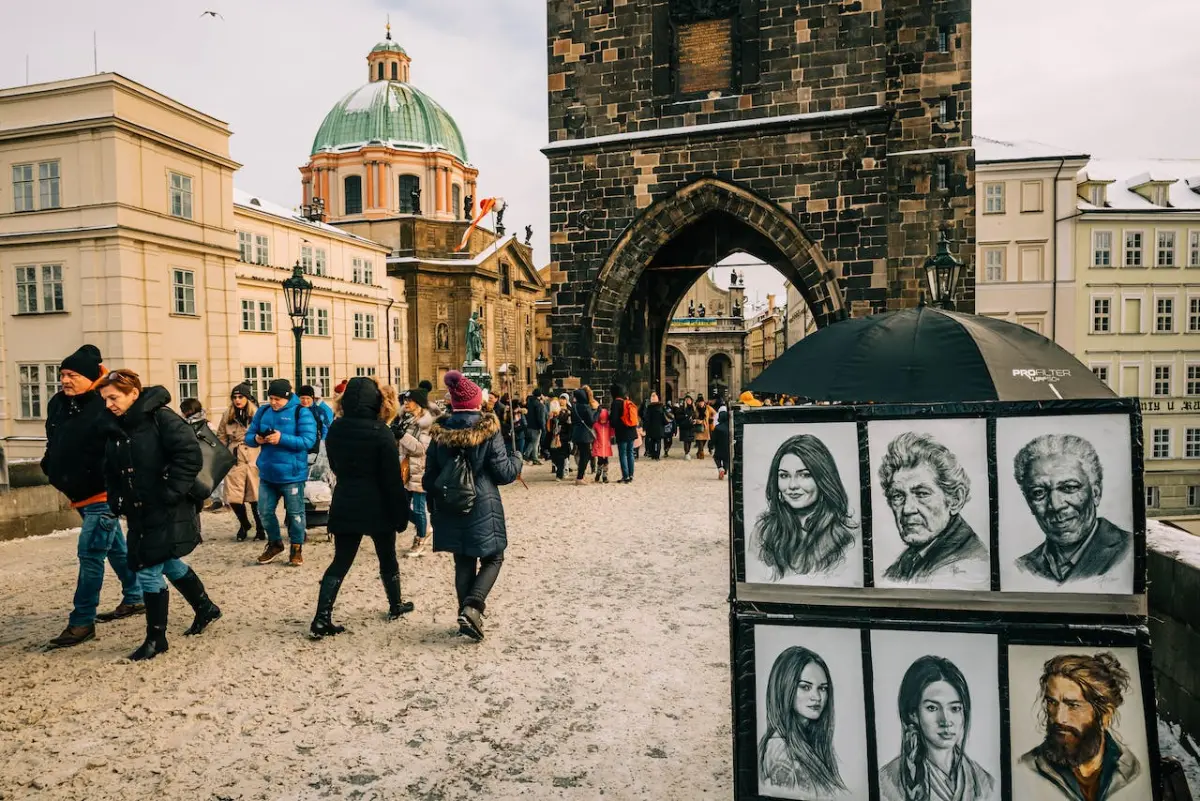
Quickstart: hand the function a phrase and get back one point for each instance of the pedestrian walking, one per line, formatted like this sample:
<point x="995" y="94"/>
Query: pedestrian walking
<point x="655" y="426"/>
<point x="721" y="442"/>
<point x="241" y="483"/>
<point x="369" y="498"/>
<point x="582" y="436"/>
<point x="285" y="434"/>
<point x="323" y="412"/>
<point x="535" y="424"/>
<point x="151" y="463"/>
<point x="668" y="438"/>
<point x="478" y="538"/>
<point x="685" y="424"/>
<point x="77" y="431"/>
<point x="623" y="415"/>
<point x="703" y="426"/>
<point x="602" y="449"/>
<point x="413" y="442"/>
<point x="559" y="434"/>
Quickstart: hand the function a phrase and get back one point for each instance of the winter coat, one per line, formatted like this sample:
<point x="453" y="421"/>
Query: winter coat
<point x="369" y="496"/>
<point x="720" y="437"/>
<point x="535" y="413"/>
<point x="482" y="532"/>
<point x="622" y="432"/>
<point x="602" y="447"/>
<point x="685" y="423"/>
<point x="151" y="462"/>
<point x="233" y="435"/>
<point x="413" y="444"/>
<point x="287" y="462"/>
<point x="656" y="420"/>
<point x="560" y="425"/>
<point x="582" y="419"/>
<point x="77" y="430"/>
<point x="325" y="411"/>
<point x="704" y="423"/>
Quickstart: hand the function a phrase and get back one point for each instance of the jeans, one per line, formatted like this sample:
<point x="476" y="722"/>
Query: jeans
<point x="533" y="443"/>
<point x="100" y="538"/>
<point x="293" y="506"/>
<point x="625" y="457"/>
<point x="420" y="515"/>
<point x="474" y="585"/>
<point x="151" y="578"/>
<point x="345" y="548"/>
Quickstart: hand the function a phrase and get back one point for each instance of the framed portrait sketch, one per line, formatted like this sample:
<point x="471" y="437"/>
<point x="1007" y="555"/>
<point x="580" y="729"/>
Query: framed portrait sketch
<point x="801" y="504"/>
<point x="930" y="510"/>
<point x="1067" y="505"/>
<point x="1078" y="723"/>
<point x="811" y="725"/>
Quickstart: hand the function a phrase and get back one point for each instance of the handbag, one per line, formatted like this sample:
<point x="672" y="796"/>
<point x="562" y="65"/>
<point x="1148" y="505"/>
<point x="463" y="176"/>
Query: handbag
<point x="405" y="470"/>
<point x="217" y="461"/>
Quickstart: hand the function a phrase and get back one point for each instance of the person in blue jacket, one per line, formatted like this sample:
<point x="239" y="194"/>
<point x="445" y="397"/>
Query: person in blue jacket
<point x="324" y="412"/>
<point x="285" y="432"/>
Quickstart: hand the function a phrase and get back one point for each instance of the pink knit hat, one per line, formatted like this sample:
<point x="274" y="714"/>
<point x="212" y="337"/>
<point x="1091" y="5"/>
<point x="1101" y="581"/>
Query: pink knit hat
<point x="465" y="394"/>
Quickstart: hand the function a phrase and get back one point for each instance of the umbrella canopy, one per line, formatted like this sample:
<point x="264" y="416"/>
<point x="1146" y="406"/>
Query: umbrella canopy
<point x="928" y="355"/>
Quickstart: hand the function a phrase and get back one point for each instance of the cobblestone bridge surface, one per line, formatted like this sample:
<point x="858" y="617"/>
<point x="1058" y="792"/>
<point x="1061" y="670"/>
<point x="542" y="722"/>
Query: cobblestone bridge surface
<point x="604" y="673"/>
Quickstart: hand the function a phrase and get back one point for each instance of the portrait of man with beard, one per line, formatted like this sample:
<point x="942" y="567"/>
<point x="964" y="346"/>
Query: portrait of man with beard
<point x="1081" y="753"/>
<point x="1062" y="481"/>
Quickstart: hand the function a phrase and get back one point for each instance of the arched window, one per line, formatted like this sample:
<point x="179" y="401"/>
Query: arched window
<point x="353" y="194"/>
<point x="456" y="204"/>
<point x="395" y="70"/>
<point x="410" y="194"/>
<point x="380" y="71"/>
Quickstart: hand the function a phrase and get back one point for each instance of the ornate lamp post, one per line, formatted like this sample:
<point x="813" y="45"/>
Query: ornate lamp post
<point x="942" y="272"/>
<point x="297" y="291"/>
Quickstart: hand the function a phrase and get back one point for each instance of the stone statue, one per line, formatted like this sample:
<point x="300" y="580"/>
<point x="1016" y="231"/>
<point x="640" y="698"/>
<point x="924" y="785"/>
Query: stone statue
<point x="528" y="234"/>
<point x="474" y="339"/>
<point x="469" y="207"/>
<point x="702" y="311"/>
<point x="415" y="197"/>
<point x="500" y="221"/>
<point x="737" y="309"/>
<point x="691" y="308"/>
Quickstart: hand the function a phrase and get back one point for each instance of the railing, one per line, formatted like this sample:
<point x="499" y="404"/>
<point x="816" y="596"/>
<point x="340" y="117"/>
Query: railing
<point x="709" y="323"/>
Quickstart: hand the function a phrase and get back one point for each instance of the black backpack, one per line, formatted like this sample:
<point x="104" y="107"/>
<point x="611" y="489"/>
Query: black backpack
<point x="316" y="448"/>
<point x="454" y="489"/>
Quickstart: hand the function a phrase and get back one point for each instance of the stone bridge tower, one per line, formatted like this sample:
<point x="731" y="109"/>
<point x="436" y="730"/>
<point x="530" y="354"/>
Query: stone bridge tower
<point x="829" y="139"/>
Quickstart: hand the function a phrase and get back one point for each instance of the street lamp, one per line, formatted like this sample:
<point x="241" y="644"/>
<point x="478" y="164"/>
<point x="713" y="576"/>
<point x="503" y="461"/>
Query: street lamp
<point x="541" y="363"/>
<point x="297" y="291"/>
<point x="941" y="274"/>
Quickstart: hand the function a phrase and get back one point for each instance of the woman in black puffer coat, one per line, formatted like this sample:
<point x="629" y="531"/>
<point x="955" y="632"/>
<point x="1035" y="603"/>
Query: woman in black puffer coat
<point x="151" y="463"/>
<point x="477" y="539"/>
<point x="369" y="497"/>
<point x="582" y="436"/>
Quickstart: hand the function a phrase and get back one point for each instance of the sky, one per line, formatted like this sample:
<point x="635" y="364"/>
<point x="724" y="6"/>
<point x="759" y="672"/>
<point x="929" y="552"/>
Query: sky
<point x="1113" y="78"/>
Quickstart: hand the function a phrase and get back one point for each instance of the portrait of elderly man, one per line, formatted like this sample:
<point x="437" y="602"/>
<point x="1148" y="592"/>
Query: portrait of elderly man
<point x="1081" y="754"/>
<point x="1062" y="481"/>
<point x="926" y="489"/>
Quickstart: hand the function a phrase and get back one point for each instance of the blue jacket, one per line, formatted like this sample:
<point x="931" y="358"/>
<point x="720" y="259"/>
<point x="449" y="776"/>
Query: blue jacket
<point x="326" y="411"/>
<point x="287" y="462"/>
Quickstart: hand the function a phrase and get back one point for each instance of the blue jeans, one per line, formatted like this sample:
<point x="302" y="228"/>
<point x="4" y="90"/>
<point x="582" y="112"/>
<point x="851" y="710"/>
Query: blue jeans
<point x="625" y="457"/>
<point x="151" y="578"/>
<point x="420" y="515"/>
<point x="293" y="506"/>
<point x="100" y="538"/>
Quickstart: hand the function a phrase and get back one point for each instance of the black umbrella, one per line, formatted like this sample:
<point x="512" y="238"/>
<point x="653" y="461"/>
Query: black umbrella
<point x="928" y="355"/>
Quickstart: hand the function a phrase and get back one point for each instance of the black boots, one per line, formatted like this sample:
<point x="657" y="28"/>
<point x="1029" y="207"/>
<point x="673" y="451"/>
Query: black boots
<point x="239" y="509"/>
<point x="192" y="590"/>
<point x="396" y="606"/>
<point x="322" y="625"/>
<point x="260" y="533"/>
<point x="156" y="626"/>
<point x="470" y="621"/>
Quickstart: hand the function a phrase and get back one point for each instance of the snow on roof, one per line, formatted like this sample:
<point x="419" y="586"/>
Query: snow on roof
<point x="1169" y="540"/>
<point x="474" y="261"/>
<point x="246" y="200"/>
<point x="997" y="150"/>
<point x="1123" y="175"/>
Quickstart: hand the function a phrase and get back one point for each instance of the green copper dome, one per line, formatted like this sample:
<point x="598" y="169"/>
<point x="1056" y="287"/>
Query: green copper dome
<point x="389" y="113"/>
<point x="388" y="46"/>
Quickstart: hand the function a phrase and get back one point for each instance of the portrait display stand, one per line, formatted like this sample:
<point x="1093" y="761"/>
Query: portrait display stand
<point x="941" y="601"/>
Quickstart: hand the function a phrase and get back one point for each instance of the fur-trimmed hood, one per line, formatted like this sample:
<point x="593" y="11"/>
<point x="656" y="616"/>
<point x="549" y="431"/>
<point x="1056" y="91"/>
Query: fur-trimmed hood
<point x="464" y="429"/>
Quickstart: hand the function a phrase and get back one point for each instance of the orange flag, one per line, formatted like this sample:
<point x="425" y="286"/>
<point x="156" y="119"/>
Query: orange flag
<point x="485" y="207"/>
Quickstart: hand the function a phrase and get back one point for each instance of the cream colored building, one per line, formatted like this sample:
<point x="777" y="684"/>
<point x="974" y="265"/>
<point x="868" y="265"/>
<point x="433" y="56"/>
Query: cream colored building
<point x="705" y="345"/>
<point x="119" y="226"/>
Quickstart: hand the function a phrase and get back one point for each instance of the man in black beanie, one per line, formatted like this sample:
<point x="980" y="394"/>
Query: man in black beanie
<point x="77" y="429"/>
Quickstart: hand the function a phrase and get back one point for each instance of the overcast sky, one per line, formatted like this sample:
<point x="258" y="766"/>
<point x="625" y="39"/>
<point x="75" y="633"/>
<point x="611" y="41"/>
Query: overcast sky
<point x="1109" y="77"/>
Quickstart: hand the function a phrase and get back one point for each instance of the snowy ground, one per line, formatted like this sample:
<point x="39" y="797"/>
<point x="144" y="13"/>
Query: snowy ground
<point x="605" y="672"/>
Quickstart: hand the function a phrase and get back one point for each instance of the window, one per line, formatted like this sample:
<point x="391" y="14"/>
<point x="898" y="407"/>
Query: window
<point x="266" y="320"/>
<point x="409" y="185"/>
<point x="364" y="326"/>
<point x="262" y="250"/>
<point x="1166" y="249"/>
<point x="993" y="265"/>
<point x="319" y="377"/>
<point x="1096" y="196"/>
<point x="1191" y="450"/>
<point x="189" y="380"/>
<point x="1101" y="372"/>
<point x="456" y="203"/>
<point x="1193" y="496"/>
<point x="1152" y="497"/>
<point x="396" y="329"/>
<point x="368" y="272"/>
<point x="505" y="278"/>
<point x="395" y="71"/>
<point x="319" y="263"/>
<point x="1193" y="315"/>
<point x="1160" y="444"/>
<point x="1164" y="315"/>
<point x="1133" y="248"/>
<point x="245" y="247"/>
<point x="183" y="284"/>
<point x="942" y="176"/>
<point x="353" y="194"/>
<point x="48" y="189"/>
<point x="356" y="273"/>
<point x="379" y="71"/>
<point x="1159" y="196"/>
<point x="181" y="196"/>
<point x="1162" y="380"/>
<point x="50" y="286"/>
<point x="1101" y="315"/>
<point x="22" y="187"/>
<point x="1031" y="196"/>
<point x="397" y="377"/>
<point x="248" y="318"/>
<point x="1194" y="249"/>
<point x="259" y="378"/>
<point x="306" y="259"/>
<point x="943" y="40"/>
<point x="37" y="383"/>
<point x="316" y="324"/>
<point x="364" y="371"/>
<point x="1102" y="249"/>
<point x="993" y="198"/>
<point x="944" y="110"/>
<point x="1192" y="385"/>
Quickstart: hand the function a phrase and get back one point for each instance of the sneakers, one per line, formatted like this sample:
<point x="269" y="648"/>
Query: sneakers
<point x="269" y="553"/>
<point x="74" y="635"/>
<point x="296" y="557"/>
<point x="418" y="547"/>
<point x="123" y="610"/>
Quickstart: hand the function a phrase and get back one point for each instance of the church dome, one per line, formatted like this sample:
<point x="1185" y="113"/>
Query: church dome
<point x="391" y="113"/>
<point x="388" y="46"/>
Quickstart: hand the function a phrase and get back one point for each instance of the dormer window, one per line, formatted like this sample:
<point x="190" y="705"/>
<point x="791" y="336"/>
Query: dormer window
<point x="1155" y="190"/>
<point x="1096" y="195"/>
<point x="1158" y="195"/>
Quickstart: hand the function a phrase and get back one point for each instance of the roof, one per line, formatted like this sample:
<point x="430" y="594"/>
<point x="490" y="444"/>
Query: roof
<point x="476" y="260"/>
<point x="1123" y="175"/>
<point x="391" y="113"/>
<point x="388" y="46"/>
<point x="997" y="150"/>
<point x="253" y="202"/>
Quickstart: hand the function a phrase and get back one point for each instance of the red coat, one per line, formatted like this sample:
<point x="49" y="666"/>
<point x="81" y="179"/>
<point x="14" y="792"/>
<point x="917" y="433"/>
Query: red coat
<point x="602" y="447"/>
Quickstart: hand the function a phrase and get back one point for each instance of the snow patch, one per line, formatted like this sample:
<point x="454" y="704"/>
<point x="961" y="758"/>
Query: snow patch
<point x="1175" y="743"/>
<point x="53" y="535"/>
<point x="1168" y="540"/>
<point x="363" y="99"/>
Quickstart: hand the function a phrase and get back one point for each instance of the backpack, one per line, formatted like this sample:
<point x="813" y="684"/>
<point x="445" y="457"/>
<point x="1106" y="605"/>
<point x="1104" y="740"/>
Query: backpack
<point x="316" y="448"/>
<point x="629" y="414"/>
<point x="454" y="489"/>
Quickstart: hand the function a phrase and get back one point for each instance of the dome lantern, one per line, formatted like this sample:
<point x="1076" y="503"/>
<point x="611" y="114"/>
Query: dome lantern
<point x="387" y="60"/>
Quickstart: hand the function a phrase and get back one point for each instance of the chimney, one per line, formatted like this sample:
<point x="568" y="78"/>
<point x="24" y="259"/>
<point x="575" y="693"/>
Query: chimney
<point x="770" y="303"/>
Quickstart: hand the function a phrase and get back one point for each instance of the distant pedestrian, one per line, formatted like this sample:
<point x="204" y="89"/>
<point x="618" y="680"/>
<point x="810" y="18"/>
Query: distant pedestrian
<point x="77" y="430"/>
<point x="602" y="449"/>
<point x="241" y="484"/>
<point x="655" y="424"/>
<point x="685" y="424"/>
<point x="582" y="436"/>
<point x="369" y="498"/>
<point x="705" y="418"/>
<point x="721" y="442"/>
<point x="535" y="425"/>
<point x="310" y="400"/>
<point x="413" y="442"/>
<point x="192" y="411"/>
<point x="151" y="463"/>
<point x="623" y="416"/>
<point x="668" y="429"/>
<point x="479" y="538"/>
<point x="558" y="431"/>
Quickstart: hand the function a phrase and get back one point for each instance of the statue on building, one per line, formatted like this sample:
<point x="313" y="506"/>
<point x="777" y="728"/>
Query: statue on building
<point x="474" y="339"/>
<point x="415" y="199"/>
<point x="733" y="277"/>
<point x="469" y="208"/>
<point x="737" y="309"/>
<point x="703" y="312"/>
<point x="721" y="309"/>
<point x="500" y="220"/>
<point x="528" y="235"/>
<point x="691" y="308"/>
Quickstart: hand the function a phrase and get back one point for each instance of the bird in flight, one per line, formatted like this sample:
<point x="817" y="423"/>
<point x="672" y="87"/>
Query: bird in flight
<point x="213" y="14"/>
